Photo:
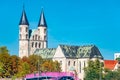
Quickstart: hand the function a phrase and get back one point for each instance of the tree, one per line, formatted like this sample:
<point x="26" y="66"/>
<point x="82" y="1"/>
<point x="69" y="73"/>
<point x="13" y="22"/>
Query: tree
<point x="94" y="70"/>
<point x="56" y="65"/>
<point x="112" y="75"/>
<point x="5" y="61"/>
<point x="23" y="69"/>
<point x="51" y="66"/>
<point x="14" y="64"/>
<point x="34" y="62"/>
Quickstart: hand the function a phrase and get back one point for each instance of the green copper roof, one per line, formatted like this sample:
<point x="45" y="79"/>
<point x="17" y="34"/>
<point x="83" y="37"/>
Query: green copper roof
<point x="88" y="51"/>
<point x="46" y="53"/>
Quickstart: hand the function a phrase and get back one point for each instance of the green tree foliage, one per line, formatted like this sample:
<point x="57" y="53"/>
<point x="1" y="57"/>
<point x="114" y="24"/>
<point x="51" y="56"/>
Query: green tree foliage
<point x="50" y="66"/>
<point x="118" y="58"/>
<point x="5" y="61"/>
<point x="112" y="75"/>
<point x="94" y="70"/>
<point x="34" y="62"/>
<point x="13" y="66"/>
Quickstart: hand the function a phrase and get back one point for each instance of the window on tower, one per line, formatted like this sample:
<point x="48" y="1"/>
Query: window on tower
<point x="35" y="37"/>
<point x="26" y="36"/>
<point x="39" y="45"/>
<point x="38" y="37"/>
<point x="32" y="44"/>
<point x="44" y="30"/>
<point x="44" y="37"/>
<point x="36" y="44"/>
<point x="26" y="29"/>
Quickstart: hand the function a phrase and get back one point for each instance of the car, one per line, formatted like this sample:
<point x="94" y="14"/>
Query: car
<point x="66" y="78"/>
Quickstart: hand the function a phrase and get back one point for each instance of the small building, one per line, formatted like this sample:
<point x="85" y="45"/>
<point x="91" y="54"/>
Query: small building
<point x="111" y="64"/>
<point x="71" y="58"/>
<point x="116" y="55"/>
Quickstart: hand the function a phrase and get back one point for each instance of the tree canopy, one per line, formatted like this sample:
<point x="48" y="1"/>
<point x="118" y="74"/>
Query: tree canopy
<point x="12" y="65"/>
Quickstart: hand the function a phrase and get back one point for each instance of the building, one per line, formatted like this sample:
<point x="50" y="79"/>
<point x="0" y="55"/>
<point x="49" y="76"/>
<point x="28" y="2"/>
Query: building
<point x="111" y="64"/>
<point x="116" y="55"/>
<point x="71" y="58"/>
<point x="30" y="40"/>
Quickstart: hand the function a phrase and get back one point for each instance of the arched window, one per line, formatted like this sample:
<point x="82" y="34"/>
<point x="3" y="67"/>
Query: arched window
<point x="32" y="44"/>
<point x="36" y="44"/>
<point x="68" y="63"/>
<point x="74" y="63"/>
<point x="44" y="37"/>
<point x="80" y="66"/>
<point x="39" y="45"/>
<point x="35" y="37"/>
<point x="26" y="29"/>
<point x="26" y="36"/>
<point x="38" y="37"/>
<point x="44" y="30"/>
<point x="84" y="63"/>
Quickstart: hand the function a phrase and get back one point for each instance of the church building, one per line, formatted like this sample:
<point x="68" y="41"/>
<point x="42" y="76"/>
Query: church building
<point x="72" y="58"/>
<point x="31" y="39"/>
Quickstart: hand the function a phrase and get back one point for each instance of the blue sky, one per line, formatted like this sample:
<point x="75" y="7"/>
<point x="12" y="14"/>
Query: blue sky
<point x="72" y="22"/>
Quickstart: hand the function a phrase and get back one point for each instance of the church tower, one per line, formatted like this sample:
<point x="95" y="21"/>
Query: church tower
<point x="42" y="28"/>
<point x="23" y="35"/>
<point x="30" y="40"/>
<point x="38" y="37"/>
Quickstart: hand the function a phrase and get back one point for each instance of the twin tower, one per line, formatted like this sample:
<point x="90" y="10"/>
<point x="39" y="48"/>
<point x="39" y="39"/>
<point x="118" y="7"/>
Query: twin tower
<point x="31" y="39"/>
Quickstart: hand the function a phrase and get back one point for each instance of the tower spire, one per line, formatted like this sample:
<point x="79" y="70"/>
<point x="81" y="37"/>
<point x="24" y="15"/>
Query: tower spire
<point x="23" y="20"/>
<point x="42" y="21"/>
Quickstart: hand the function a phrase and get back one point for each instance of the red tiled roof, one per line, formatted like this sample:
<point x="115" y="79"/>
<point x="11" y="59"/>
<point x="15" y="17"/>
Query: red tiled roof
<point x="110" y="64"/>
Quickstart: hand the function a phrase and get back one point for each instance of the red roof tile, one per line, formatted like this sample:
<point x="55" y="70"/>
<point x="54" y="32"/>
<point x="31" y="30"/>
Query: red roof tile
<point x="110" y="64"/>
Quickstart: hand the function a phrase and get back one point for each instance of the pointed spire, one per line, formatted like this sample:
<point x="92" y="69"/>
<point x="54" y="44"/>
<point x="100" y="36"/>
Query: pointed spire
<point x="23" y="20"/>
<point x="42" y="21"/>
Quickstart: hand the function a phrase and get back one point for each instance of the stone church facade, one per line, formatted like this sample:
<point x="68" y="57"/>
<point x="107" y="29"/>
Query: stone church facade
<point x="31" y="39"/>
<point x="72" y="58"/>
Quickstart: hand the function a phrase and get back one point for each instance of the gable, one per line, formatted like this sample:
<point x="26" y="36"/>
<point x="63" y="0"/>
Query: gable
<point x="59" y="53"/>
